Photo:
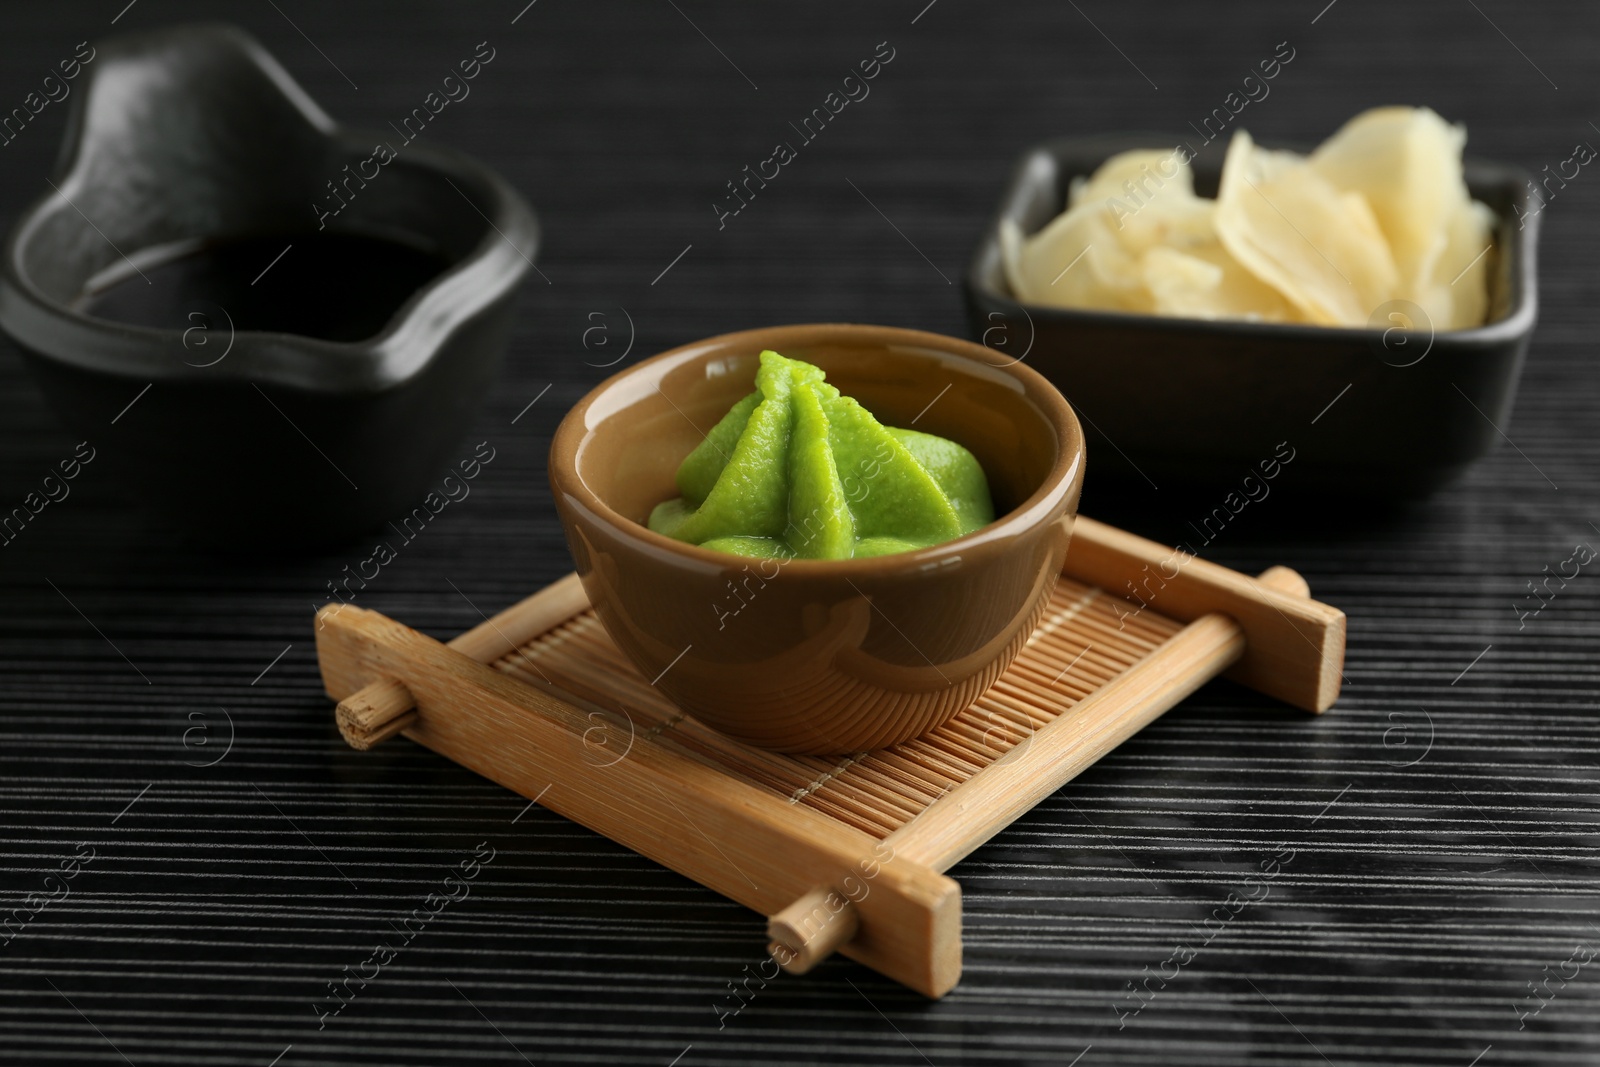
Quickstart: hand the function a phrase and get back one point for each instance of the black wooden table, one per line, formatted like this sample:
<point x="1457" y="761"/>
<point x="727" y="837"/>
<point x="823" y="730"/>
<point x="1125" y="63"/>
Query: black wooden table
<point x="1428" y="847"/>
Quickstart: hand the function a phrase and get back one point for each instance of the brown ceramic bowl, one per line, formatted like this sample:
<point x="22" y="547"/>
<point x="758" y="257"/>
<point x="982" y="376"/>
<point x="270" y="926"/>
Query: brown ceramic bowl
<point x="820" y="656"/>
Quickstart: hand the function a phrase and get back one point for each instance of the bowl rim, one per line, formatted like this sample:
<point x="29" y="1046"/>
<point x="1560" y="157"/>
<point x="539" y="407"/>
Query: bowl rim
<point x="1056" y="494"/>
<point x="1523" y="245"/>
<point x="414" y="332"/>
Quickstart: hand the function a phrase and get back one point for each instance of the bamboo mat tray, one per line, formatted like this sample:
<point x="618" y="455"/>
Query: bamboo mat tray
<point x="844" y="853"/>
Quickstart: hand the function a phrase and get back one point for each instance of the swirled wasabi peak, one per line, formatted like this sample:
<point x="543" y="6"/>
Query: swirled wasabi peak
<point x="796" y="470"/>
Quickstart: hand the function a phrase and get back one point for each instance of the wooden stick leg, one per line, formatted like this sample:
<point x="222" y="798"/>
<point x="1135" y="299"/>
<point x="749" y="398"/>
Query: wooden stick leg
<point x="385" y="707"/>
<point x="811" y="929"/>
<point x="375" y="714"/>
<point x="1285" y="580"/>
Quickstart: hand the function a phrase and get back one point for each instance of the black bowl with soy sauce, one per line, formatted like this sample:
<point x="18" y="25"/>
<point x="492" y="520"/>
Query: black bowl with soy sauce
<point x="279" y="328"/>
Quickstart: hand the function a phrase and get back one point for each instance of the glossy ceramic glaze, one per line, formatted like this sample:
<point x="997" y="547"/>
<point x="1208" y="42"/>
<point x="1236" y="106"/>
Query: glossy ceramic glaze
<point x="195" y="134"/>
<point x="807" y="655"/>
<point x="1194" y="403"/>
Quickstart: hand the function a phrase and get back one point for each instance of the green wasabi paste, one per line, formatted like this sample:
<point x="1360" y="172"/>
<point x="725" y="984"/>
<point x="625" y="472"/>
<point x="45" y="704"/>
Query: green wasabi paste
<point x="795" y="470"/>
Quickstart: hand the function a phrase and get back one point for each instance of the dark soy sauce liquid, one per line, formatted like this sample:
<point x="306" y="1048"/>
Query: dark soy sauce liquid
<point x="327" y="285"/>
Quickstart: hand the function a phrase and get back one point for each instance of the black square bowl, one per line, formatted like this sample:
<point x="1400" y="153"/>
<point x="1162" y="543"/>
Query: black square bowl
<point x="1375" y="412"/>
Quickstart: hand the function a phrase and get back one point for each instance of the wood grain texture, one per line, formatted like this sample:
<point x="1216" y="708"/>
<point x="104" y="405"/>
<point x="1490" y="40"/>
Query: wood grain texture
<point x="1443" y="820"/>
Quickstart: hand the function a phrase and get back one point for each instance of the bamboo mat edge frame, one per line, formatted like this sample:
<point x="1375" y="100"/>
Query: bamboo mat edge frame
<point x="824" y="885"/>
